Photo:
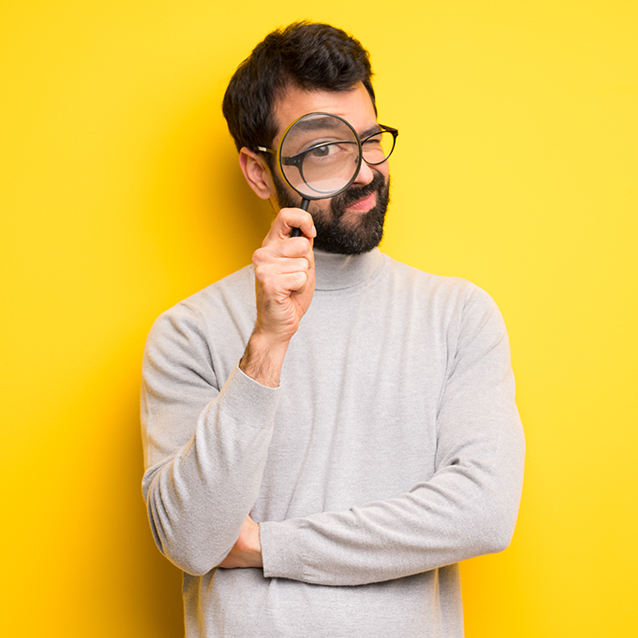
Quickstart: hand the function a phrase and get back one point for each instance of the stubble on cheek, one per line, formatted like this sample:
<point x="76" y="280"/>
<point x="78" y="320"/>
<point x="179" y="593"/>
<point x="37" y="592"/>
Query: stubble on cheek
<point x="340" y="230"/>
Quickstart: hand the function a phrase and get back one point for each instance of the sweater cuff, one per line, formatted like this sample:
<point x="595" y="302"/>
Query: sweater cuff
<point x="247" y="401"/>
<point x="280" y="550"/>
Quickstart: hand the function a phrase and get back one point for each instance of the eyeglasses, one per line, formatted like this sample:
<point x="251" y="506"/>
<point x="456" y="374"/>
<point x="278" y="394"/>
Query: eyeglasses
<point x="375" y="149"/>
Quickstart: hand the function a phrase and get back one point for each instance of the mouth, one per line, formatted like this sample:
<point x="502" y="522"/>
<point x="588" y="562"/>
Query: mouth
<point x="359" y="199"/>
<point x="365" y="203"/>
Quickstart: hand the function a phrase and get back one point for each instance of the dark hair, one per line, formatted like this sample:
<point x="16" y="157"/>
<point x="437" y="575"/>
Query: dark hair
<point x="307" y="55"/>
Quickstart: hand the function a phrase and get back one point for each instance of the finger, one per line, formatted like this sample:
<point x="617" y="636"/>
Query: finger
<point x="288" y="248"/>
<point x="307" y="227"/>
<point x="286" y="220"/>
<point x="280" y="285"/>
<point x="285" y="266"/>
<point x="274" y="270"/>
<point x="296" y="247"/>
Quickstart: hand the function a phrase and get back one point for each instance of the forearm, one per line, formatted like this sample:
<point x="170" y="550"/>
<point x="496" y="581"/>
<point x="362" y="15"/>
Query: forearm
<point x="199" y="498"/>
<point x="264" y="359"/>
<point x="460" y="513"/>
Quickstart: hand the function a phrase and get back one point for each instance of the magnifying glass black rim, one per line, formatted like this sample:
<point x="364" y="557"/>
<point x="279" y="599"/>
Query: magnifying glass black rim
<point x="326" y="193"/>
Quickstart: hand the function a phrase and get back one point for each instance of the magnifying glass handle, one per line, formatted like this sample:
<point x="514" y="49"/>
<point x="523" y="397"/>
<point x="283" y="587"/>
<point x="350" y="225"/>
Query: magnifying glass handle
<point x="295" y="232"/>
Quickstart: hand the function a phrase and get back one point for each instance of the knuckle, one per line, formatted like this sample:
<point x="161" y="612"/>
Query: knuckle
<point x="301" y="278"/>
<point x="259" y="256"/>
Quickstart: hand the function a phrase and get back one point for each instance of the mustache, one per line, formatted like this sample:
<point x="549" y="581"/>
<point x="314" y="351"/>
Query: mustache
<point x="354" y="193"/>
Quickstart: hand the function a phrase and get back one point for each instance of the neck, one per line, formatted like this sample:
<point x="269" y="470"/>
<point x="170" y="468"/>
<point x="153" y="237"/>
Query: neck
<point x="334" y="271"/>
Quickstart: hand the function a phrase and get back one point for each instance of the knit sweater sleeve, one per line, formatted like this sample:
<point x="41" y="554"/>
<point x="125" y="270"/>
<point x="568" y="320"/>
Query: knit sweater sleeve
<point x="468" y="507"/>
<point x="205" y="444"/>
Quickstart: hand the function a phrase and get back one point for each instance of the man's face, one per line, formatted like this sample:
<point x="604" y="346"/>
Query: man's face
<point x="350" y="222"/>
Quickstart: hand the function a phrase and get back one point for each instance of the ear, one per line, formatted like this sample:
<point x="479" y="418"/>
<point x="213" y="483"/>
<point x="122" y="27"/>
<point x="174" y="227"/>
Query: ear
<point x="256" y="172"/>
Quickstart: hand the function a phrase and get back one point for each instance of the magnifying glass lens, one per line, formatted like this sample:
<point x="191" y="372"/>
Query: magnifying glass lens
<point x="329" y="167"/>
<point x="320" y="155"/>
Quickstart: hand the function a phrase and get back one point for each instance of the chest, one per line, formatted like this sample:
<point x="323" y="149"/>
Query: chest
<point x="357" y="417"/>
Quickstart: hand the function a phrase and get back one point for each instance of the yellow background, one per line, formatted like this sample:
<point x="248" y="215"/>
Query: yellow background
<point x="120" y="194"/>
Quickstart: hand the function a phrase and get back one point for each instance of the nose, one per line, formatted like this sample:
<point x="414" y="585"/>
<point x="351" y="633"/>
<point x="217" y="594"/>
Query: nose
<point x="364" y="176"/>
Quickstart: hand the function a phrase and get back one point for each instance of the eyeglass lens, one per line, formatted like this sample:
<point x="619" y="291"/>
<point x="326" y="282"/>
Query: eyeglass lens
<point x="377" y="148"/>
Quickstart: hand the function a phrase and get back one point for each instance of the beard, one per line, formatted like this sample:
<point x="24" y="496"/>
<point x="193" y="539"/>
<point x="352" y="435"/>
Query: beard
<point x="334" y="234"/>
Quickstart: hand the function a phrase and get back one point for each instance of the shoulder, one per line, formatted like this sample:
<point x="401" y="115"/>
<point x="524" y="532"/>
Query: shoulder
<point x="438" y="291"/>
<point x="463" y="314"/>
<point x="457" y="309"/>
<point x="226" y="303"/>
<point x="231" y="291"/>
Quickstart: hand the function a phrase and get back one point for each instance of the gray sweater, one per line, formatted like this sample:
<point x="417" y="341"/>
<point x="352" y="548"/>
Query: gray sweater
<point x="391" y="450"/>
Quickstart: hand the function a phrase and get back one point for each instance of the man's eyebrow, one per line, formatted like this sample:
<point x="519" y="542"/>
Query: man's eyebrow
<point x="370" y="131"/>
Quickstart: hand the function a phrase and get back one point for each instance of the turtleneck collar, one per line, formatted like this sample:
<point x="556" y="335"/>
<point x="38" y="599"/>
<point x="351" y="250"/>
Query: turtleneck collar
<point x="334" y="272"/>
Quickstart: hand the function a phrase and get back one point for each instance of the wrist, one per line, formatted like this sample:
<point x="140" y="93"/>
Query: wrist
<point x="246" y="552"/>
<point x="253" y="552"/>
<point x="264" y="358"/>
<point x="248" y="545"/>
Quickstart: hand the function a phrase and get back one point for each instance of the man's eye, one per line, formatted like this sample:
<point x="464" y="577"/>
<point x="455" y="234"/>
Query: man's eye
<point x="321" y="151"/>
<point x="333" y="151"/>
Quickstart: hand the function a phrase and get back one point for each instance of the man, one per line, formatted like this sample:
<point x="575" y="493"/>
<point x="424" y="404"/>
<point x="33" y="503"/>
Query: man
<point x="327" y="432"/>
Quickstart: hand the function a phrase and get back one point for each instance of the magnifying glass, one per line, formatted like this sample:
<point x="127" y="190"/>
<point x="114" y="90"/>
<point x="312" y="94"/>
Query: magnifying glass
<point x="319" y="156"/>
